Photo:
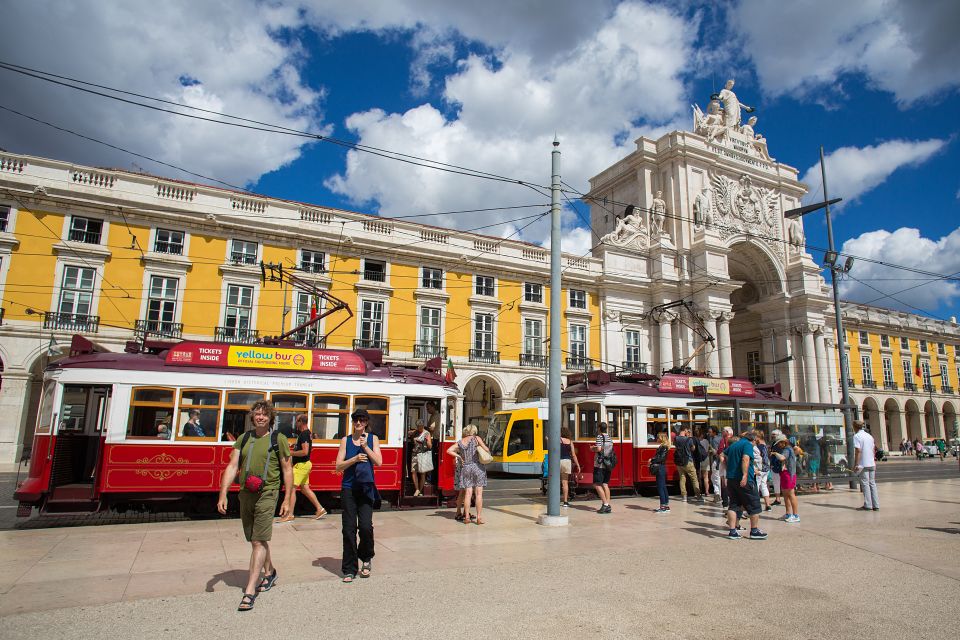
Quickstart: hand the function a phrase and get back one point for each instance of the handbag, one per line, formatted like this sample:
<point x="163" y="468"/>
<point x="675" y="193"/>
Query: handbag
<point x="252" y="482"/>
<point x="483" y="456"/>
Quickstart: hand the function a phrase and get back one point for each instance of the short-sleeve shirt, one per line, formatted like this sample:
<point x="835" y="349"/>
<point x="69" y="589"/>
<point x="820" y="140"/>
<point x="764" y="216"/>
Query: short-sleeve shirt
<point x="864" y="441"/>
<point x="790" y="464"/>
<point x="735" y="453"/>
<point x="304" y="438"/>
<point x="257" y="449"/>
<point x="605" y="444"/>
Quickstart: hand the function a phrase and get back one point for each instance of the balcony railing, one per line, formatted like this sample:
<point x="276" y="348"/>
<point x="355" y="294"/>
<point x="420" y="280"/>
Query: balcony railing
<point x="144" y="328"/>
<point x="87" y="237"/>
<point x="929" y="388"/>
<point x="366" y="343"/>
<point x="429" y="351"/>
<point x="581" y="364"/>
<point x="869" y="384"/>
<point x="71" y="322"/>
<point x="890" y="386"/>
<point x="634" y="367"/>
<point x="310" y="339"/>
<point x="946" y="389"/>
<point x="234" y="334"/>
<point x="536" y="360"/>
<point x="909" y="386"/>
<point x="374" y="275"/>
<point x="850" y="383"/>
<point x="171" y="248"/>
<point x="239" y="257"/>
<point x="485" y="356"/>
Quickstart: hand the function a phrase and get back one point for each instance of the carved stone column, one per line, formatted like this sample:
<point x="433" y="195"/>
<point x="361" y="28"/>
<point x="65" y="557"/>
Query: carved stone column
<point x="666" y="342"/>
<point x="833" y="382"/>
<point x="710" y="323"/>
<point x="810" y="390"/>
<point x="823" y="366"/>
<point x="725" y="348"/>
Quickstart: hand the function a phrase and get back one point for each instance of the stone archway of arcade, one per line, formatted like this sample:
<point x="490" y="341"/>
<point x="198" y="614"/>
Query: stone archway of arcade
<point x="951" y="423"/>
<point x="482" y="398"/>
<point x="891" y="424"/>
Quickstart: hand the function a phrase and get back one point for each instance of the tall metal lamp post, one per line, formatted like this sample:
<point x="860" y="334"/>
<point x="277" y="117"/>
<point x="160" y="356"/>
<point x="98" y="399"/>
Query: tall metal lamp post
<point x="830" y="258"/>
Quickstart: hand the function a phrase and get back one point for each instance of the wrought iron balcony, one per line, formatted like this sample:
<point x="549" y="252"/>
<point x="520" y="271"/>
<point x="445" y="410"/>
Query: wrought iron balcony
<point x="946" y="389"/>
<point x="581" y="364"/>
<point x="375" y="275"/>
<point x="869" y="384"/>
<point x="70" y="322"/>
<point x="429" y="351"/>
<point x="890" y="386"/>
<point x="929" y="388"/>
<point x="365" y="343"/>
<point x="234" y="334"/>
<point x="485" y="356"/>
<point x="536" y="360"/>
<point x="909" y="386"/>
<point x="171" y="248"/>
<point x="87" y="237"/>
<point x="310" y="339"/>
<point x="144" y="328"/>
<point x="239" y="257"/>
<point x="634" y="367"/>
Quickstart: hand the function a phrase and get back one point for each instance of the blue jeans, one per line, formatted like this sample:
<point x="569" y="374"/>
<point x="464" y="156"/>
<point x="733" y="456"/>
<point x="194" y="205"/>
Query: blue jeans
<point x="662" y="485"/>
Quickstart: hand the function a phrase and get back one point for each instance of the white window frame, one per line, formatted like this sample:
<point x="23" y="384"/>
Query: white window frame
<point x="908" y="375"/>
<point x="363" y="270"/>
<point x="925" y="373"/>
<point x="252" y="318"/>
<point x="632" y="341"/>
<point x="240" y="247"/>
<point x="92" y="311"/>
<point x="175" y="300"/>
<point x="312" y="263"/>
<point x="382" y="321"/>
<point x="577" y="299"/>
<point x="865" y="337"/>
<point x="579" y="348"/>
<point x="301" y="315"/>
<point x="866" y="368"/>
<point x="887" y="365"/>
<point x="493" y="286"/>
<point x="423" y="328"/>
<point x="491" y="331"/>
<point x="904" y="343"/>
<point x="431" y="278"/>
<point x="68" y="230"/>
<point x="533" y="340"/>
<point x="884" y="341"/>
<point x="923" y="346"/>
<point x="533" y="290"/>
<point x="155" y="241"/>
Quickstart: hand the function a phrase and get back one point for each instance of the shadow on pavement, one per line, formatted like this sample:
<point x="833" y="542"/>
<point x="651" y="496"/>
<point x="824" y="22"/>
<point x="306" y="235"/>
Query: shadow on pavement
<point x="832" y="506"/>
<point x="236" y="578"/>
<point x="329" y="564"/>
<point x="954" y="530"/>
<point x="699" y="529"/>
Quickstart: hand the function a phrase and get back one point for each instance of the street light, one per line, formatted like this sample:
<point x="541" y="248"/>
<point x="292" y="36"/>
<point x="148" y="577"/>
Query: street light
<point x="831" y="258"/>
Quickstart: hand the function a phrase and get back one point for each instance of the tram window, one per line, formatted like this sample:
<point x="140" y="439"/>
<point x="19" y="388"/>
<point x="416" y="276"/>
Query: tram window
<point x="329" y="417"/>
<point x="45" y="415"/>
<point x="701" y="421"/>
<point x="627" y="424"/>
<point x="521" y="437"/>
<point x="588" y="425"/>
<point x="199" y="414"/>
<point x="679" y="419"/>
<point x="569" y="418"/>
<point x="73" y="408"/>
<point x="236" y="413"/>
<point x="377" y="407"/>
<point x="656" y="423"/>
<point x="450" y="430"/>
<point x="149" y="408"/>
<point x="761" y="423"/>
<point x="288" y="406"/>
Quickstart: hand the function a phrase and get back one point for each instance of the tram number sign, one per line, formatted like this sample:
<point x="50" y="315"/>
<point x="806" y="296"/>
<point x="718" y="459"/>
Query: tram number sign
<point x="205" y="354"/>
<point x="672" y="383"/>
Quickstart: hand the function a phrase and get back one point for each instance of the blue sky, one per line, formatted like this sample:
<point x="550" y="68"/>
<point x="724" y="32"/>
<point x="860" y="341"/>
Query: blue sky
<point x="487" y="85"/>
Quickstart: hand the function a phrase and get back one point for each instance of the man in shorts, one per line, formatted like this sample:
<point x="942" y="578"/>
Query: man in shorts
<point x="261" y="458"/>
<point x="302" y="466"/>
<point x="601" y="471"/>
<point x="742" y="487"/>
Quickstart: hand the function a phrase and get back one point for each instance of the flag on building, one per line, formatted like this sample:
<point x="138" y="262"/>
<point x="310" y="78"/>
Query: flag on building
<point x="313" y="309"/>
<point x="916" y="367"/>
<point x="451" y="374"/>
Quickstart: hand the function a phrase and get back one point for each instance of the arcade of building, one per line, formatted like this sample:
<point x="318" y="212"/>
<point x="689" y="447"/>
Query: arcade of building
<point x="112" y="255"/>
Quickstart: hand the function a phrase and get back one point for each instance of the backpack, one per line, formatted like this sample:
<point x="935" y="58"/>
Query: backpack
<point x="273" y="443"/>
<point x="681" y="455"/>
<point x="699" y="450"/>
<point x="605" y="459"/>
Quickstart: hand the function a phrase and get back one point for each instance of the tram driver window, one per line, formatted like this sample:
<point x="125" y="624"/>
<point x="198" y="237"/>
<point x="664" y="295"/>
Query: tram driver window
<point x="656" y="423"/>
<point x="236" y="414"/>
<point x="149" y="408"/>
<point x="521" y="437"/>
<point x="378" y="408"/>
<point x="199" y="414"/>
<point x="330" y="417"/>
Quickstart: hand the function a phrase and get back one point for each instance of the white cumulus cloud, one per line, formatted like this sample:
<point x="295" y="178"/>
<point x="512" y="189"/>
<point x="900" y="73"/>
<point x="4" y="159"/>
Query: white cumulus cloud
<point x="853" y="171"/>
<point x="897" y="288"/>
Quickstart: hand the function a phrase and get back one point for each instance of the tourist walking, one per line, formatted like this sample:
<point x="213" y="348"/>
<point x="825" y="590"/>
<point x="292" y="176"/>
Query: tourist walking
<point x="918" y="449"/>
<point x="568" y="463"/>
<point x="865" y="466"/>
<point x="787" y="459"/>
<point x="715" y="478"/>
<point x="261" y="458"/>
<point x="302" y="467"/>
<point x="473" y="475"/>
<point x="658" y="467"/>
<point x="775" y="467"/>
<point x="705" y="464"/>
<point x="683" y="459"/>
<point x="742" y="487"/>
<point x="359" y="453"/>
<point x="762" y="466"/>
<point x="603" y="464"/>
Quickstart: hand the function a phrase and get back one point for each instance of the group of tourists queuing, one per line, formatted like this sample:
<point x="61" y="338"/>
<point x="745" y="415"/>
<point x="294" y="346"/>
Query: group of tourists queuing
<point x="734" y="468"/>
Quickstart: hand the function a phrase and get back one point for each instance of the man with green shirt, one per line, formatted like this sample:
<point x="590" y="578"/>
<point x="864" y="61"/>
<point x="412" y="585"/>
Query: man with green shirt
<point x="260" y="456"/>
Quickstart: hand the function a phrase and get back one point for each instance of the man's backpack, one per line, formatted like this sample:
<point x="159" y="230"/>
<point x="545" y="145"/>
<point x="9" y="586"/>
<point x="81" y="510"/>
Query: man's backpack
<point x="681" y="455"/>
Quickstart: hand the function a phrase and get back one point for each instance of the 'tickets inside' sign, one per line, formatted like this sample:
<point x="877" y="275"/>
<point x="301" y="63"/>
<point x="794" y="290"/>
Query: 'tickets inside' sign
<point x="206" y="354"/>
<point x="672" y="383"/>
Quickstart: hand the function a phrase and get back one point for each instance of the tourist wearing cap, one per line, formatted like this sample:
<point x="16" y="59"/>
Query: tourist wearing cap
<point x="359" y="453"/>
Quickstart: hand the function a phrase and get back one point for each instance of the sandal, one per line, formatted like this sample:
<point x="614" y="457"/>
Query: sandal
<point x="267" y="582"/>
<point x="320" y="513"/>
<point x="458" y="517"/>
<point x="365" y="569"/>
<point x="246" y="603"/>
<point x="479" y="521"/>
<point x="350" y="577"/>
<point x="466" y="519"/>
<point x="289" y="518"/>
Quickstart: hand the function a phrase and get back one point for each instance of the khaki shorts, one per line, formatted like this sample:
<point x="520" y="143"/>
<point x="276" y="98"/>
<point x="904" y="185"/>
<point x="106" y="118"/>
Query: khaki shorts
<point x="301" y="473"/>
<point x="566" y="468"/>
<point x="256" y="514"/>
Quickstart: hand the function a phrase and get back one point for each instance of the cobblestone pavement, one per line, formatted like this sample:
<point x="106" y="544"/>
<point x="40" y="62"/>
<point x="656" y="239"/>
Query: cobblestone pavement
<point x="841" y="573"/>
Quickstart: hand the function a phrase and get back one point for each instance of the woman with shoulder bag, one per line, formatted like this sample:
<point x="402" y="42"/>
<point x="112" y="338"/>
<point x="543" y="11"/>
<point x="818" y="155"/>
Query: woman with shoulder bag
<point x="359" y="453"/>
<point x="658" y="466"/>
<point x="422" y="457"/>
<point x="473" y="475"/>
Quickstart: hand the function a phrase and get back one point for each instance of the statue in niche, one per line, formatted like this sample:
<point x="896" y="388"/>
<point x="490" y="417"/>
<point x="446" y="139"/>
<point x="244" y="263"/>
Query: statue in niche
<point x="658" y="213"/>
<point x="795" y="233"/>
<point x="702" y="215"/>
<point x="731" y="106"/>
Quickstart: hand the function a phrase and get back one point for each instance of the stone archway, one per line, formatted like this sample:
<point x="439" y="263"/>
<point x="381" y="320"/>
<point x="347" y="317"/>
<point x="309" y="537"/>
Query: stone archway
<point x="950" y="423"/>
<point x="482" y="397"/>
<point x="530" y="389"/>
<point x="893" y="423"/>
<point x="931" y="420"/>
<point x="914" y="420"/>
<point x="871" y="416"/>
<point x="763" y="282"/>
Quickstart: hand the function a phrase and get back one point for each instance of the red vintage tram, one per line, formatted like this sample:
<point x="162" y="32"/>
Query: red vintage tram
<point x="636" y="407"/>
<point x="157" y="425"/>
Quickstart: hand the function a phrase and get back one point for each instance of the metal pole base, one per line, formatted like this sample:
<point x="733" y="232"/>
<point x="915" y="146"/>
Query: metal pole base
<point x="553" y="521"/>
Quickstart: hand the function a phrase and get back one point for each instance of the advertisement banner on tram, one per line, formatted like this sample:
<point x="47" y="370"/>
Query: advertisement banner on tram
<point x="207" y="354"/>
<point x="673" y="383"/>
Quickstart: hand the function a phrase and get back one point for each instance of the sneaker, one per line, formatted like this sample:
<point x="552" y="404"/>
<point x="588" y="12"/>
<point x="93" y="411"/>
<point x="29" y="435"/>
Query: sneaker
<point x="876" y="508"/>
<point x="792" y="519"/>
<point x="777" y="503"/>
<point x="662" y="510"/>
<point x="757" y="534"/>
<point x="606" y="508"/>
<point x="564" y="504"/>
<point x="734" y="535"/>
<point x="768" y="507"/>
<point x="785" y="517"/>
<point x="683" y="498"/>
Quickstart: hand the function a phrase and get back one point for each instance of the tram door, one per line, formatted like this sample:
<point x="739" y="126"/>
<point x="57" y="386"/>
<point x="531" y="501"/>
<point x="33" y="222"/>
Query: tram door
<point x="620" y="425"/>
<point x="80" y="435"/>
<point x="428" y="411"/>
